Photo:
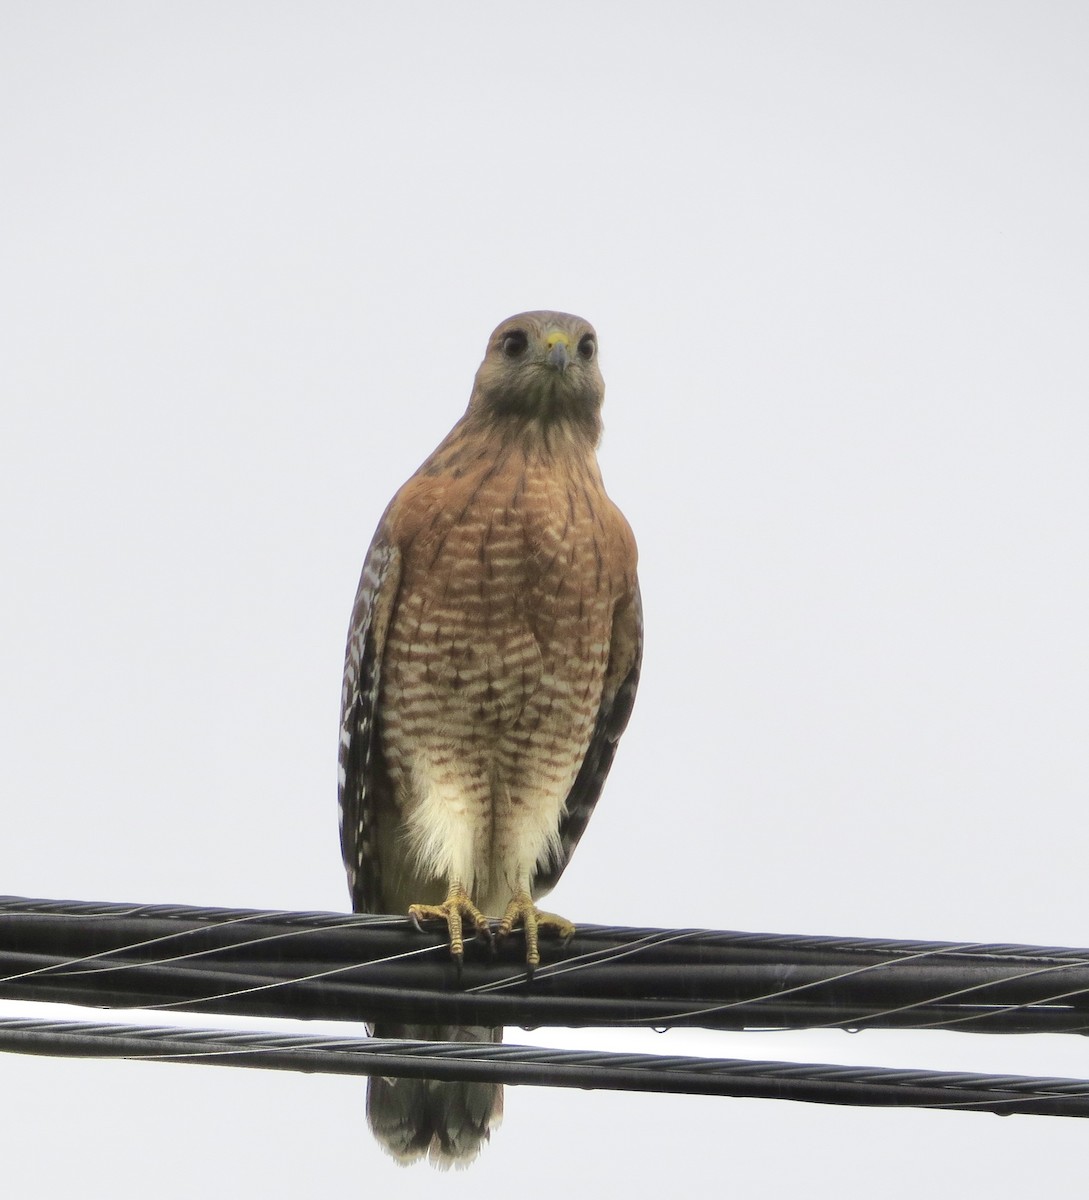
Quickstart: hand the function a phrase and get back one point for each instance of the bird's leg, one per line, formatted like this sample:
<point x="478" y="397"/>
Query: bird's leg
<point x="522" y="911"/>
<point x="456" y="906"/>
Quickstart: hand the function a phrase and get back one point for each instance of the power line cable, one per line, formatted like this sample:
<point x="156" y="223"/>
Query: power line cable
<point x="347" y="967"/>
<point x="512" y="1064"/>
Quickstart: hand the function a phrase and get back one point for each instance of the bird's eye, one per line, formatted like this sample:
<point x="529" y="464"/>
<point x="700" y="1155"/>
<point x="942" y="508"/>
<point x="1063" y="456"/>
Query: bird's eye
<point x="587" y="347"/>
<point x="515" y="343"/>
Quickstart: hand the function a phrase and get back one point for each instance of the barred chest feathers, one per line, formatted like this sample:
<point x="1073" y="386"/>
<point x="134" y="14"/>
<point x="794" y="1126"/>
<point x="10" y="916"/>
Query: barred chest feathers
<point x="501" y="643"/>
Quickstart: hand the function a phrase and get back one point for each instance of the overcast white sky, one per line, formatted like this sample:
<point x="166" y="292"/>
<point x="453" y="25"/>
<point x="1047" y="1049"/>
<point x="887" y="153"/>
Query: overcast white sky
<point x="837" y="257"/>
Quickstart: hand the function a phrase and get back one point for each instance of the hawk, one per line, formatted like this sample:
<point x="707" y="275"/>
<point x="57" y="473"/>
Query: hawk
<point x="491" y="667"/>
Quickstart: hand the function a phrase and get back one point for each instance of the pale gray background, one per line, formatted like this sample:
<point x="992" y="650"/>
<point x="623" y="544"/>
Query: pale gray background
<point x="837" y="256"/>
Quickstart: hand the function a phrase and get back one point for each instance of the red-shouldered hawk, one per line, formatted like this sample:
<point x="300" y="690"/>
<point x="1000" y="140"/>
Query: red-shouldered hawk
<point x="491" y="667"/>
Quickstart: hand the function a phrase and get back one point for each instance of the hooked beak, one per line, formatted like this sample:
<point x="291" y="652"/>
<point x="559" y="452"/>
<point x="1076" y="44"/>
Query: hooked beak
<point x="559" y="351"/>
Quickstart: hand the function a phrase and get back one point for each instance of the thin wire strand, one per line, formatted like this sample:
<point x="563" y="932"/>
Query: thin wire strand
<point x="279" y="983"/>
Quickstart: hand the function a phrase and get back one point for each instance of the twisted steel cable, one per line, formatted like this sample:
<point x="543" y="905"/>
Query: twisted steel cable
<point x="336" y="966"/>
<point x="346" y="967"/>
<point x="555" y="1068"/>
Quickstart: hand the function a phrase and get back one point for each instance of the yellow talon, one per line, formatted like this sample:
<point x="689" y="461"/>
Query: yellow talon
<point x="456" y="906"/>
<point x="522" y="911"/>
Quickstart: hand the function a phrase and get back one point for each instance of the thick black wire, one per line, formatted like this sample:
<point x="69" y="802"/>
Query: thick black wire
<point x="555" y="1068"/>
<point x="325" y="964"/>
<point x="340" y="966"/>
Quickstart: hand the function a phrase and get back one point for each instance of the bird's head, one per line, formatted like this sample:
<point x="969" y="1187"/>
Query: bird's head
<point x="541" y="368"/>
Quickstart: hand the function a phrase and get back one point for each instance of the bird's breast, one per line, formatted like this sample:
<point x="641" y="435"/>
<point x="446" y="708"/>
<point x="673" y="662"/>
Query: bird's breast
<point x="505" y="594"/>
